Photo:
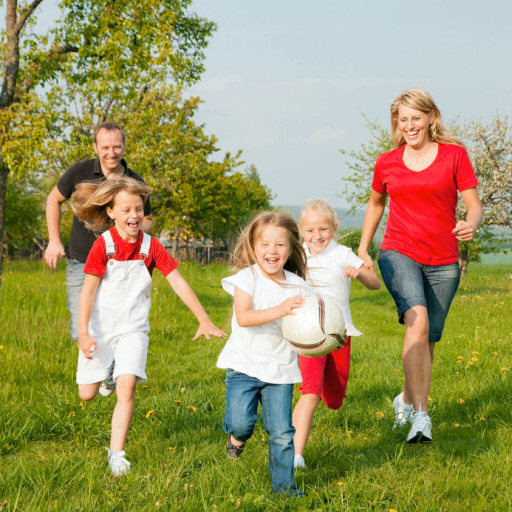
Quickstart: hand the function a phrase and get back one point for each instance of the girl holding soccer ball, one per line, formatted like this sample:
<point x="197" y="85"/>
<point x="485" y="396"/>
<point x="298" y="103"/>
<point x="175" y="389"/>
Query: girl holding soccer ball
<point x="419" y="255"/>
<point x="330" y="269"/>
<point x="260" y="364"/>
<point x="115" y="299"/>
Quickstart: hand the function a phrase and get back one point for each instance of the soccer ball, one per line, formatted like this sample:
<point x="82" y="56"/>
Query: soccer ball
<point x="316" y="328"/>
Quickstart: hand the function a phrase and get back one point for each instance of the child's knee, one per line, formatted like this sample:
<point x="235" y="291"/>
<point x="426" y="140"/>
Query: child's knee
<point x="126" y="386"/>
<point x="87" y="392"/>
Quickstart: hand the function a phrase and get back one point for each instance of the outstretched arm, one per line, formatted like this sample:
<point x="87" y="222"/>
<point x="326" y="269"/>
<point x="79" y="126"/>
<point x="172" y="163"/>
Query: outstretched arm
<point x="374" y="212"/>
<point x="55" y="249"/>
<point x="189" y="298"/>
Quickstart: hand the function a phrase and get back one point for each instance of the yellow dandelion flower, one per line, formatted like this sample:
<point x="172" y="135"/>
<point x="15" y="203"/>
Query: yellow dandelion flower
<point x="178" y="401"/>
<point x="482" y="419"/>
<point x="457" y="373"/>
<point x="379" y="414"/>
<point x="462" y="335"/>
<point x="504" y="368"/>
<point x="495" y="353"/>
<point x="457" y="425"/>
<point x="460" y="357"/>
<point x="150" y="413"/>
<point x="468" y="426"/>
<point x="460" y="401"/>
<point x="1" y="347"/>
<point x="470" y="363"/>
<point x="475" y="353"/>
<point x="192" y="408"/>
<point x="392" y="510"/>
<point x="183" y="390"/>
<point x="429" y="399"/>
<point x="474" y="359"/>
<point x="171" y="448"/>
<point x="340" y="484"/>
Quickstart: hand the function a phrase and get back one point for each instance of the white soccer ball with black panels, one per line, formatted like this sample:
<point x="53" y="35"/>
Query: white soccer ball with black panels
<point x="316" y="328"/>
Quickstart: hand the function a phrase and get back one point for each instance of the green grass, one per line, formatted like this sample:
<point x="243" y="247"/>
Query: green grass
<point x="51" y="444"/>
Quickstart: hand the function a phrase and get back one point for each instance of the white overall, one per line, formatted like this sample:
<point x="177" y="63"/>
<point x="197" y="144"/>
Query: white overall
<point x="120" y="318"/>
<point x="123" y="298"/>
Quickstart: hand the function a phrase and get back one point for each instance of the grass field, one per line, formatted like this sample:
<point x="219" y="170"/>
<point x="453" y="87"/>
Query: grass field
<point x="51" y="444"/>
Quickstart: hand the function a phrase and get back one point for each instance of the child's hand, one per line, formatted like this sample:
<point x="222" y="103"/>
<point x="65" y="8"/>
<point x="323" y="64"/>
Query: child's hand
<point x="286" y="307"/>
<point x="87" y="344"/>
<point x="343" y="341"/>
<point x="208" y="328"/>
<point x="351" y="272"/>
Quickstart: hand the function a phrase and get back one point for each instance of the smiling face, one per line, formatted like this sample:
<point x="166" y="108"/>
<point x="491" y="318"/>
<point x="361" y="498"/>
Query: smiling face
<point x="109" y="147"/>
<point x="272" y="250"/>
<point x="317" y="229"/>
<point x="413" y="125"/>
<point x="127" y="214"/>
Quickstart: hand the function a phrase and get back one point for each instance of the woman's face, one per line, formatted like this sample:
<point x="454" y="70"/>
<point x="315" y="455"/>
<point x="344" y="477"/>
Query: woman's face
<point x="413" y="125"/>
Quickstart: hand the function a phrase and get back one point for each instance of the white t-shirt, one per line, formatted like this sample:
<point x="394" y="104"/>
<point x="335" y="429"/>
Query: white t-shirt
<point x="261" y="351"/>
<point x="325" y="275"/>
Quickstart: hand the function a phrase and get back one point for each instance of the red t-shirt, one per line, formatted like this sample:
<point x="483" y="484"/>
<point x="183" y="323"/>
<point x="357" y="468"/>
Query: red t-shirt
<point x="422" y="204"/>
<point x="158" y="257"/>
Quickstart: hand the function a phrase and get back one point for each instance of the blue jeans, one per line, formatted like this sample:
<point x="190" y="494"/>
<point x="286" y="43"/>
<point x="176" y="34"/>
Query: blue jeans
<point x="74" y="280"/>
<point x="242" y="396"/>
<point x="413" y="284"/>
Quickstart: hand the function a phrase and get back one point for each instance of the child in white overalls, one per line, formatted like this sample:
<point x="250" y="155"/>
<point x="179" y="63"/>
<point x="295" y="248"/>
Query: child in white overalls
<point x="115" y="299"/>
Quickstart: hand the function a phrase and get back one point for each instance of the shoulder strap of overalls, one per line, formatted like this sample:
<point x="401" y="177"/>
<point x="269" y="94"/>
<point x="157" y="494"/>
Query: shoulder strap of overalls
<point x="109" y="244"/>
<point x="146" y="244"/>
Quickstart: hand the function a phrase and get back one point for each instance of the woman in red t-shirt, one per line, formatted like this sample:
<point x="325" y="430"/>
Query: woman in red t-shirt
<point x="419" y="254"/>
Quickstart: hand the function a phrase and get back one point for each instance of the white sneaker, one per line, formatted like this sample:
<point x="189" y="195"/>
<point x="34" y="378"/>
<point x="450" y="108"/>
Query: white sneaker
<point x="117" y="463"/>
<point x="108" y="386"/>
<point x="299" y="462"/>
<point x="421" y="430"/>
<point x="403" y="412"/>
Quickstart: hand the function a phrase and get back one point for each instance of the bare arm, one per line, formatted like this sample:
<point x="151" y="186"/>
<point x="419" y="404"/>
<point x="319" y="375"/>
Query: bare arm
<point x="374" y="212"/>
<point x="147" y="224"/>
<point x="85" y="341"/>
<point x="55" y="249"/>
<point x="365" y="276"/>
<point x="248" y="317"/>
<point x="465" y="230"/>
<point x="189" y="298"/>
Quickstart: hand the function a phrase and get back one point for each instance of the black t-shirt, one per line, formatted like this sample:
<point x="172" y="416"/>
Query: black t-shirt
<point x="81" y="238"/>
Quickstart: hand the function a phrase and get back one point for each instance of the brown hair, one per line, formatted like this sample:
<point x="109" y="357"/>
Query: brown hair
<point x="421" y="100"/>
<point x="91" y="200"/>
<point x="244" y="255"/>
<point x="110" y="126"/>
<point x="321" y="206"/>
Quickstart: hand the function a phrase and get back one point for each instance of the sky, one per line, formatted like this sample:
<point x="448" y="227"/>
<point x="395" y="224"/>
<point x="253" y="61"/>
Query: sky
<point x="287" y="82"/>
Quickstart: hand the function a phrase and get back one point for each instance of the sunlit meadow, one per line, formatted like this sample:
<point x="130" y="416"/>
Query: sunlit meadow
<point x="52" y="455"/>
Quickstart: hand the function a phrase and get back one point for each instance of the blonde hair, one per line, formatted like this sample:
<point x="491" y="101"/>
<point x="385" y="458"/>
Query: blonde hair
<point x="245" y="256"/>
<point x="319" y="205"/>
<point x="92" y="198"/>
<point x="418" y="99"/>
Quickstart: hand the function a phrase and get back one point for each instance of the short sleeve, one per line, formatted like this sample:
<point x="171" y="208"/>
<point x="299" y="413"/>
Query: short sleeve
<point x="464" y="173"/>
<point x="245" y="280"/>
<point x="377" y="183"/>
<point x="96" y="263"/>
<point x="66" y="184"/>
<point x="163" y="260"/>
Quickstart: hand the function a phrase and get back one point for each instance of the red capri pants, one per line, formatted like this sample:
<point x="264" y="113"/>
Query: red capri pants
<point x="326" y="376"/>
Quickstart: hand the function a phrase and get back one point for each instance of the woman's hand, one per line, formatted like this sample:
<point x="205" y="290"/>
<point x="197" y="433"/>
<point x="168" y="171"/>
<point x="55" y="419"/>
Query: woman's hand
<point x="464" y="231"/>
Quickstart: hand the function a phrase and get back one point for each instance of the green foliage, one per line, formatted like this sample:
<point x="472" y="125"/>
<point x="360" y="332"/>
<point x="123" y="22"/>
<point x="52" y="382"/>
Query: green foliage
<point x="352" y="238"/>
<point x="51" y="443"/>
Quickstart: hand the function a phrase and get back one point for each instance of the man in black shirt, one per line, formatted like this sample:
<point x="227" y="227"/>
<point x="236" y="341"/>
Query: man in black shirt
<point x="109" y="145"/>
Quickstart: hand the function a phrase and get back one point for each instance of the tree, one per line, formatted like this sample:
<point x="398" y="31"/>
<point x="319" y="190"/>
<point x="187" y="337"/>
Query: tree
<point x="489" y="146"/>
<point x="103" y="59"/>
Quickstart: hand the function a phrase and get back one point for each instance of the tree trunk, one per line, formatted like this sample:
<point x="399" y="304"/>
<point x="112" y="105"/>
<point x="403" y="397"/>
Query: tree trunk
<point x="4" y="171"/>
<point x="463" y="263"/>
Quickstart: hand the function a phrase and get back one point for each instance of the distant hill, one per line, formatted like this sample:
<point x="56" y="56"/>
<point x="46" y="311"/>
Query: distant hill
<point x="348" y="220"/>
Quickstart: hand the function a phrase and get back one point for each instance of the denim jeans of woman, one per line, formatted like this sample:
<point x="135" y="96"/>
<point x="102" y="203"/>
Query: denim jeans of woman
<point x="243" y="394"/>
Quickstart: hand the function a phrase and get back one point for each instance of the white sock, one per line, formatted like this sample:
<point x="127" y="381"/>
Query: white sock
<point x="299" y="462"/>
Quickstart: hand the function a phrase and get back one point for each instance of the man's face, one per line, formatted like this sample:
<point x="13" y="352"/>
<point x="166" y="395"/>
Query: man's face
<point x="109" y="147"/>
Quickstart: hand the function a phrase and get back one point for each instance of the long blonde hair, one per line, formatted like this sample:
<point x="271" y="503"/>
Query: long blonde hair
<point x="418" y="99"/>
<point x="244" y="254"/>
<point x="92" y="198"/>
